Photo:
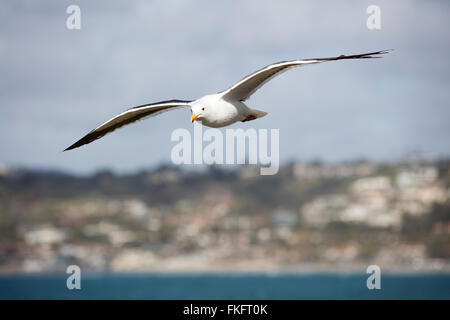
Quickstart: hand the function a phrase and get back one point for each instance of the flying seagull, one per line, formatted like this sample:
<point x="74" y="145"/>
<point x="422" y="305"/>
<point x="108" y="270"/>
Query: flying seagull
<point x="214" y="110"/>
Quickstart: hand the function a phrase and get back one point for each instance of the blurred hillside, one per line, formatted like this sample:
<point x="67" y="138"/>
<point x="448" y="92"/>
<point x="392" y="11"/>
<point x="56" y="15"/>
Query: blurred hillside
<point x="310" y="216"/>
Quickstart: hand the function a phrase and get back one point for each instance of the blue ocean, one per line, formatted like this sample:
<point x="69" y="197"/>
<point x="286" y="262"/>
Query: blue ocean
<point x="225" y="286"/>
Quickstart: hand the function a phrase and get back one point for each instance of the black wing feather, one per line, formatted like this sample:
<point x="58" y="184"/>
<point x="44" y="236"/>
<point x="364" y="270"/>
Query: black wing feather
<point x="127" y="117"/>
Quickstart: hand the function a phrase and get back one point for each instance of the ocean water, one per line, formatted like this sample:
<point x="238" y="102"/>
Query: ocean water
<point x="225" y="286"/>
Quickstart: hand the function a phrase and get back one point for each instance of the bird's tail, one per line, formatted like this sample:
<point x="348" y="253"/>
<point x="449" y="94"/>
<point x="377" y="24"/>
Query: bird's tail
<point x="258" y="113"/>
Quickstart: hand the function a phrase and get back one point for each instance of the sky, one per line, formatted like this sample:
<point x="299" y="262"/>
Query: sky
<point x="57" y="84"/>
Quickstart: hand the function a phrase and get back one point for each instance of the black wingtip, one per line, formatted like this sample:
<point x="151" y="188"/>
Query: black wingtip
<point x="69" y="148"/>
<point x="369" y="55"/>
<point x="88" y="138"/>
<point x="385" y="51"/>
<point x="78" y="144"/>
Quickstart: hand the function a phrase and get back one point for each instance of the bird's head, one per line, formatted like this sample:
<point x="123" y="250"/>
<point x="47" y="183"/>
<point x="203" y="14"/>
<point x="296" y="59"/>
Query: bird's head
<point x="204" y="109"/>
<point x="198" y="112"/>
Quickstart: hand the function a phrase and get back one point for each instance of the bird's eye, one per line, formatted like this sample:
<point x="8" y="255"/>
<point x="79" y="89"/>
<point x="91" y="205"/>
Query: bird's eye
<point x="203" y="109"/>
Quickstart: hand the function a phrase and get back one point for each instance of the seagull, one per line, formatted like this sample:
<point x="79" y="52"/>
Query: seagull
<point x="214" y="110"/>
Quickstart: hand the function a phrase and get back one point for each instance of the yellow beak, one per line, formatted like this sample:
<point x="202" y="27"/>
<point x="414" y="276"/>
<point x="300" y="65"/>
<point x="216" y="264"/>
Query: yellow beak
<point x="194" y="116"/>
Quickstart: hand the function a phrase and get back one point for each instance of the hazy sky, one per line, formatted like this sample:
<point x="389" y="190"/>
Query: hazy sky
<point x="57" y="84"/>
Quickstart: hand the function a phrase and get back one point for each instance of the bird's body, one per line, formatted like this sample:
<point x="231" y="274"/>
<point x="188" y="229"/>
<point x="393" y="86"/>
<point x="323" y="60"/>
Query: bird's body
<point x="214" y="110"/>
<point x="219" y="112"/>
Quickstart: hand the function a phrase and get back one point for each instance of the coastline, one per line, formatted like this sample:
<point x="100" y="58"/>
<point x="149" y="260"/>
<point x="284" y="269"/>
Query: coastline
<point x="311" y="269"/>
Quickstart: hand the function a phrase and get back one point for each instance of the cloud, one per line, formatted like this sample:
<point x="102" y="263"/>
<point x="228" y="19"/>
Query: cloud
<point x="58" y="84"/>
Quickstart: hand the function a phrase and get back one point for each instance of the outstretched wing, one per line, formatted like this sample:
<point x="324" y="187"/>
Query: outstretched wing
<point x="127" y="117"/>
<point x="246" y="87"/>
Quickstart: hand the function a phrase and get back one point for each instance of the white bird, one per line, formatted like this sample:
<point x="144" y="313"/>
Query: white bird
<point x="214" y="110"/>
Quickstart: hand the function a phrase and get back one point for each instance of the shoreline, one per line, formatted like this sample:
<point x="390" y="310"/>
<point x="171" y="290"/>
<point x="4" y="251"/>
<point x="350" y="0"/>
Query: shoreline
<point x="233" y="272"/>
